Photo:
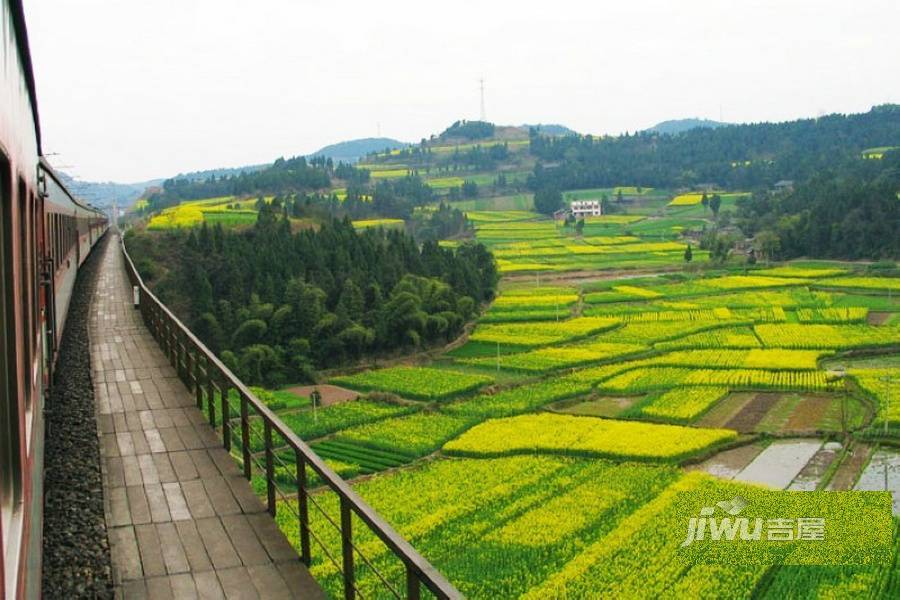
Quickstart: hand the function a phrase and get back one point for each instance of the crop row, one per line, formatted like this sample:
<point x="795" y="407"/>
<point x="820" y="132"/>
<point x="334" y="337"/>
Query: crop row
<point x="415" y="382"/>
<point x="540" y="334"/>
<point x="727" y="337"/>
<point x="884" y="386"/>
<point x="548" y="359"/>
<point x="683" y="404"/>
<point x="797" y="335"/>
<point x="496" y="528"/>
<point x="584" y="436"/>
<point x="645" y="379"/>
<point x="411" y="436"/>
<point x="850" y="314"/>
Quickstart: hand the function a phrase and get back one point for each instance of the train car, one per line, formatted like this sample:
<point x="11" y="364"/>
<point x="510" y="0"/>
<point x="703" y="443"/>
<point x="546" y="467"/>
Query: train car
<point x="71" y="229"/>
<point x="45" y="235"/>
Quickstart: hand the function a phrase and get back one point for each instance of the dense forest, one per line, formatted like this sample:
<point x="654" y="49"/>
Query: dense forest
<point x="284" y="175"/>
<point x="849" y="211"/>
<point x="733" y="157"/>
<point x="277" y="305"/>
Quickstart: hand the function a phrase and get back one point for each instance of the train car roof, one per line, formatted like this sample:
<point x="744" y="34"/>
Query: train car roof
<point x="21" y="32"/>
<point x="49" y="170"/>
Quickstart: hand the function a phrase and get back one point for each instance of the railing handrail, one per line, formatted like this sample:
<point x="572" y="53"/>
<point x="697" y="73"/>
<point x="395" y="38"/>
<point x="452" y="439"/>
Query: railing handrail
<point x="424" y="570"/>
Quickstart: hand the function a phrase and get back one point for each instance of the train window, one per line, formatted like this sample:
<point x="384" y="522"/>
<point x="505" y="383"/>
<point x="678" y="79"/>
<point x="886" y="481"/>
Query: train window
<point x="25" y="278"/>
<point x="36" y="268"/>
<point x="10" y="466"/>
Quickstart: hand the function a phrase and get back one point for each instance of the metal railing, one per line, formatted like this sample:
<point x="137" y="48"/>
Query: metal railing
<point x="210" y="380"/>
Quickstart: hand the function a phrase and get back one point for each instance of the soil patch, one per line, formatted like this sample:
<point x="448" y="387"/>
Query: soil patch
<point x="808" y="413"/>
<point x="725" y="410"/>
<point x="729" y="463"/>
<point x="752" y="413"/>
<point x="605" y="406"/>
<point x="847" y="474"/>
<point x="810" y="476"/>
<point x="331" y="394"/>
<point x="878" y="318"/>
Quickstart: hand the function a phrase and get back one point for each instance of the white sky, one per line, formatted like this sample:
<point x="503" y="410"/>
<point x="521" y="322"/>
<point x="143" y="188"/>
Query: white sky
<point x="136" y="89"/>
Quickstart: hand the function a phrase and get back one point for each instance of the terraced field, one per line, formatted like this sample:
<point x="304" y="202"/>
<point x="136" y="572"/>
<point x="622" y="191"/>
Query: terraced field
<point x="545" y="456"/>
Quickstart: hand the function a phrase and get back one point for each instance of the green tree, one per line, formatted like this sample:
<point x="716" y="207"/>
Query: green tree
<point x="714" y="203"/>
<point x="688" y="254"/>
<point x="548" y="200"/>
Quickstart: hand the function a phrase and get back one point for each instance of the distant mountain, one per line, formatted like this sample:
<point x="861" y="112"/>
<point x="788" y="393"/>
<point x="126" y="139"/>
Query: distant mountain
<point x="223" y="172"/>
<point x="677" y="126"/>
<point x="551" y="129"/>
<point x="104" y="193"/>
<point x="353" y="150"/>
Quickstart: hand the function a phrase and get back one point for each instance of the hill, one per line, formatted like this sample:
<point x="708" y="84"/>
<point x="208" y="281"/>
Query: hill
<point x="550" y="129"/>
<point x="104" y="193"/>
<point x="676" y="126"/>
<point x="351" y="151"/>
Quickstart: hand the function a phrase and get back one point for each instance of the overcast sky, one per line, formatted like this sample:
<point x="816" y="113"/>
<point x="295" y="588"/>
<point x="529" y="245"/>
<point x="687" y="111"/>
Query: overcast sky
<point x="130" y="90"/>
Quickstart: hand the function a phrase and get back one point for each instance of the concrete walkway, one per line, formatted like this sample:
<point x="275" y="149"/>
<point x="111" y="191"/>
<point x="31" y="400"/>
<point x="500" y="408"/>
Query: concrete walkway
<point x="182" y="520"/>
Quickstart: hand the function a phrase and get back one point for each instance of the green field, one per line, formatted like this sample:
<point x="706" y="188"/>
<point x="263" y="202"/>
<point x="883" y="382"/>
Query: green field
<point x="543" y="456"/>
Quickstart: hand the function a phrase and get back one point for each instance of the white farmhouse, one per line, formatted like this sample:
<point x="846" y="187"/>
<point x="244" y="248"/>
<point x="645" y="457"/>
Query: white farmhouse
<point x="586" y="208"/>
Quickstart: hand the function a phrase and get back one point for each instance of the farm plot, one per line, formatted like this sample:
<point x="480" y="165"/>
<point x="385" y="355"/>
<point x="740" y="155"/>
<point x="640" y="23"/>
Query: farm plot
<point x="862" y="283"/>
<point x="370" y="223"/>
<point x="504" y="216"/>
<point x="309" y="425"/>
<point x="795" y="335"/>
<point x="684" y="404"/>
<point x="884" y="386"/>
<point x="410" y="436"/>
<point x="585" y="436"/>
<point x="799" y="271"/>
<point x="514" y="508"/>
<point x="520" y="399"/>
<point x="658" y="332"/>
<point x="780" y="463"/>
<point x="647" y="379"/>
<point x="540" y="334"/>
<point x="419" y="383"/>
<point x="850" y="314"/>
<point x="549" y="359"/>
<point x="726" y="337"/>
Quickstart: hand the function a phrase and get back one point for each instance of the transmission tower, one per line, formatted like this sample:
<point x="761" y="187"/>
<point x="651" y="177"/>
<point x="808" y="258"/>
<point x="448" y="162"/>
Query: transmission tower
<point x="481" y="85"/>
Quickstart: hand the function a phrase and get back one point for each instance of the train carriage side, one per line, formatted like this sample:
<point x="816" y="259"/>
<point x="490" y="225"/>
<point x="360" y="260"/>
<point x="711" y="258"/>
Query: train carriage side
<point x="21" y="313"/>
<point x="61" y="215"/>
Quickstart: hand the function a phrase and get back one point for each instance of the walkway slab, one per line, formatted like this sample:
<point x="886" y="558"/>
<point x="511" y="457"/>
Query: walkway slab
<point x="183" y="522"/>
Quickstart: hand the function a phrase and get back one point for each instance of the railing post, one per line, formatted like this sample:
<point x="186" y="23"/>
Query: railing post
<point x="173" y="345"/>
<point x="302" y="508"/>
<point x="210" y="399"/>
<point x="226" y="415"/>
<point x="189" y="366"/>
<point x="347" y="550"/>
<point x="181" y="345"/>
<point x="413" y="587"/>
<point x="245" y="437"/>
<point x="270" y="466"/>
<point x="198" y="381"/>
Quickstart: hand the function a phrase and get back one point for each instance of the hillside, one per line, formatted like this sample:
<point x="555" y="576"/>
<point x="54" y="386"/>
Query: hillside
<point x="549" y="129"/>
<point x="676" y="126"/>
<point x="352" y="151"/>
<point x="104" y="193"/>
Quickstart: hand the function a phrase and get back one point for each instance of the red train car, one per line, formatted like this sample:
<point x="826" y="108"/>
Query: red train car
<point x="45" y="234"/>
